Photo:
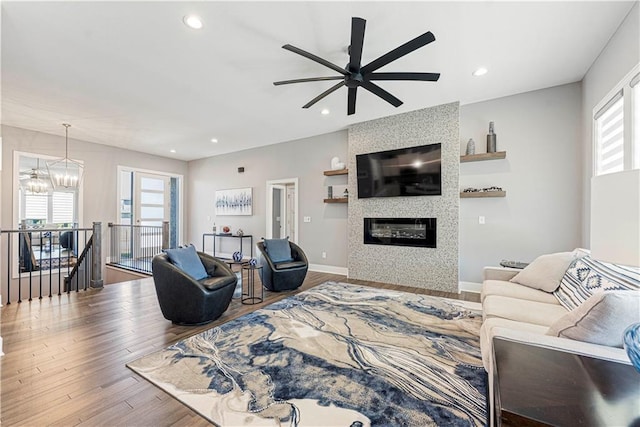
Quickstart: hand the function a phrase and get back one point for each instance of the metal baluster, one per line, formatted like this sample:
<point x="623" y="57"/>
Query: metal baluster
<point x="9" y="238"/>
<point x="40" y="263"/>
<point x="20" y="252"/>
<point x="51" y="266"/>
<point x="31" y="257"/>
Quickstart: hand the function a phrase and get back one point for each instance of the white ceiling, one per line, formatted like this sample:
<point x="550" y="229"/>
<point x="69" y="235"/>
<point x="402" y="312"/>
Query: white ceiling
<point x="131" y="74"/>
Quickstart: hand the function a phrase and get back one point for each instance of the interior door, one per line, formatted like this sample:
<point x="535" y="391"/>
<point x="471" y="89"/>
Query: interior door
<point x="279" y="219"/>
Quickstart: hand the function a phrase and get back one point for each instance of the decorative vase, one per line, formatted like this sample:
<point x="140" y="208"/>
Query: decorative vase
<point x="631" y="341"/>
<point x="336" y="164"/>
<point x="330" y="192"/>
<point x="253" y="262"/>
<point x="471" y="147"/>
<point x="240" y="233"/>
<point x="491" y="139"/>
<point x="237" y="256"/>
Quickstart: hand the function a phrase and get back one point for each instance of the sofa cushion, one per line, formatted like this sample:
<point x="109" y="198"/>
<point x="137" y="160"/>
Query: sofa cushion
<point x="546" y="271"/>
<point x="538" y="313"/>
<point x="216" y="282"/>
<point x="278" y="250"/>
<point x="601" y="319"/>
<point x="586" y="276"/>
<point x="289" y="265"/>
<point x="187" y="260"/>
<point x="513" y="290"/>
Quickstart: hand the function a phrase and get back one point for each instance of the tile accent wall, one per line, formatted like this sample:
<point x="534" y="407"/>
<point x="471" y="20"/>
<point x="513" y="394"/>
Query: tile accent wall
<point x="428" y="268"/>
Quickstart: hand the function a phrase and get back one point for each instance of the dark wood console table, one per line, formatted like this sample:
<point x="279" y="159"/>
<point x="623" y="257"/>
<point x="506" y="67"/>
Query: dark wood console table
<point x="232" y="236"/>
<point x="535" y="386"/>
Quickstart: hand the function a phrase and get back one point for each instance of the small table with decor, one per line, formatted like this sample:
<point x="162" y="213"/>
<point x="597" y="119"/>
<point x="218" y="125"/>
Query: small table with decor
<point x="537" y="386"/>
<point x="249" y="291"/>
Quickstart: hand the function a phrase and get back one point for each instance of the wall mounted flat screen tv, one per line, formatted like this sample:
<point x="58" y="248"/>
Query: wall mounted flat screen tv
<point x="412" y="171"/>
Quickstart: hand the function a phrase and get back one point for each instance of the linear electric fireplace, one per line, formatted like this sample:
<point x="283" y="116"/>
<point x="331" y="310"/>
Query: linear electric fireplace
<point x="419" y="232"/>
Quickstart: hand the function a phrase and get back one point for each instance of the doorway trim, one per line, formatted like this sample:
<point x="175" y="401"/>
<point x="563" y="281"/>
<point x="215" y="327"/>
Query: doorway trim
<point x="269" y="211"/>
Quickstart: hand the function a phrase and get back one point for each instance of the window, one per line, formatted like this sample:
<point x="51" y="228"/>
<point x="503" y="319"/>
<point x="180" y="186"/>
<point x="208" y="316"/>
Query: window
<point x="635" y="94"/>
<point x="616" y="122"/>
<point x="610" y="136"/>
<point x="62" y="204"/>
<point x="35" y="207"/>
<point x="45" y="207"/>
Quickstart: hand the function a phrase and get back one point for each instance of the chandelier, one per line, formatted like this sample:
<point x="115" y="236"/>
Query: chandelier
<point x="65" y="173"/>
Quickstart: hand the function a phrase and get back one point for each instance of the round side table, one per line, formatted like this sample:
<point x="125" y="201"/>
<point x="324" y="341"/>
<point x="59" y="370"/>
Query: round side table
<point x="238" y="291"/>
<point x="249" y="286"/>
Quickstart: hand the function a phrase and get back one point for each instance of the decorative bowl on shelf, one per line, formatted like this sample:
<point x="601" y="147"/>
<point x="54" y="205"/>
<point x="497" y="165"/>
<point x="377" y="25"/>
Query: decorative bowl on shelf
<point x="631" y="340"/>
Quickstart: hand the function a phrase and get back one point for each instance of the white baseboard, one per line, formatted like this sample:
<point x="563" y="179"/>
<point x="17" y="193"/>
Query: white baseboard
<point x="469" y="287"/>
<point x="321" y="268"/>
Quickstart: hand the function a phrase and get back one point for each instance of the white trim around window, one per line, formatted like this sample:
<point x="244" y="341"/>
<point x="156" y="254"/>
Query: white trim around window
<point x="616" y="127"/>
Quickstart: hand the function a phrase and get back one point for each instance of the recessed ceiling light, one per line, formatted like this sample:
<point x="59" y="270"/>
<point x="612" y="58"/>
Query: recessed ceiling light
<point x="193" y="21"/>
<point x="172" y="151"/>
<point x="325" y="111"/>
<point x="480" y="72"/>
<point x="214" y="140"/>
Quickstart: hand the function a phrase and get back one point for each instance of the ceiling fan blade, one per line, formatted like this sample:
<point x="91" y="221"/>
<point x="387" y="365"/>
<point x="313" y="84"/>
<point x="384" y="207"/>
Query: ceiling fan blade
<point x="315" y="58"/>
<point x="357" y="42"/>
<point x="351" y="101"/>
<point x="399" y="52"/>
<point x="323" y="94"/>
<point x="425" y="77"/>
<point x="377" y="90"/>
<point x="310" y="79"/>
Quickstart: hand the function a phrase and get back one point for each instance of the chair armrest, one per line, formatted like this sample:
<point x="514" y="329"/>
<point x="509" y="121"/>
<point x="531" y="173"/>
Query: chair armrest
<point x="214" y="266"/>
<point x="174" y="280"/>
<point x="499" y="273"/>
<point x="563" y="344"/>
<point x="297" y="253"/>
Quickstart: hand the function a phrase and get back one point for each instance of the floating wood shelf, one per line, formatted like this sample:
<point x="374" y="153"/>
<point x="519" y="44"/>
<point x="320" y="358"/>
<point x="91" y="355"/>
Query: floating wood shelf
<point x="337" y="200"/>
<point x="483" y="156"/>
<point x="338" y="172"/>
<point x="479" y="194"/>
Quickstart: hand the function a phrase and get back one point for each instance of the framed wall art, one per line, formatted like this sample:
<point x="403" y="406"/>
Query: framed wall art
<point x="238" y="201"/>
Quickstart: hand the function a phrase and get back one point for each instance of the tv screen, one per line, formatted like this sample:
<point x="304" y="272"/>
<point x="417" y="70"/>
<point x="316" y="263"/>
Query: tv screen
<point x="412" y="171"/>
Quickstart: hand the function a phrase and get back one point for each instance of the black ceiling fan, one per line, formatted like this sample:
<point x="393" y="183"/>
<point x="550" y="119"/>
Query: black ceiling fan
<point x="354" y="75"/>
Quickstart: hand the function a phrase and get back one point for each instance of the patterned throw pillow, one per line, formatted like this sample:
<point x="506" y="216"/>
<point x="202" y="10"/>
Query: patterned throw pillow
<point x="586" y="276"/>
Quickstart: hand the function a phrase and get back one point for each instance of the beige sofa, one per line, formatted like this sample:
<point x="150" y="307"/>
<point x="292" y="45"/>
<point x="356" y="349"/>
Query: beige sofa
<point x="523" y="314"/>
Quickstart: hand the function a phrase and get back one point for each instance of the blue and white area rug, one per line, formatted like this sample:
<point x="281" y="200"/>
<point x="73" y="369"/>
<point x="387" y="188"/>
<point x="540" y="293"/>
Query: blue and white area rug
<point x="335" y="355"/>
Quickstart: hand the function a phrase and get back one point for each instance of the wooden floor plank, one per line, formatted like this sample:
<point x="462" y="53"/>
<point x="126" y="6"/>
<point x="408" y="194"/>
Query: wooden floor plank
<point x="66" y="355"/>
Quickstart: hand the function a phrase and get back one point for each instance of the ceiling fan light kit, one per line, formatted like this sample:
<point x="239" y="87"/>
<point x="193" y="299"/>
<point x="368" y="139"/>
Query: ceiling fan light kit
<point x="35" y="184"/>
<point x="354" y="75"/>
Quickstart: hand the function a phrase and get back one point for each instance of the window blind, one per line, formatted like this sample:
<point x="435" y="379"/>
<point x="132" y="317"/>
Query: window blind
<point x="35" y="206"/>
<point x="63" y="207"/>
<point x="610" y="136"/>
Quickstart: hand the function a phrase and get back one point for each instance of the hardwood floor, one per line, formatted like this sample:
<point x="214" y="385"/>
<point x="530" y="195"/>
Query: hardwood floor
<point x="65" y="356"/>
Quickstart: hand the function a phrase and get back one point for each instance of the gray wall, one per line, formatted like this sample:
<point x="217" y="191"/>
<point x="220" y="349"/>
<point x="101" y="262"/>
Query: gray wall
<point x="620" y="55"/>
<point x="305" y="159"/>
<point x="429" y="268"/>
<point x="540" y="131"/>
<point x="100" y="162"/>
<point x="100" y="177"/>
